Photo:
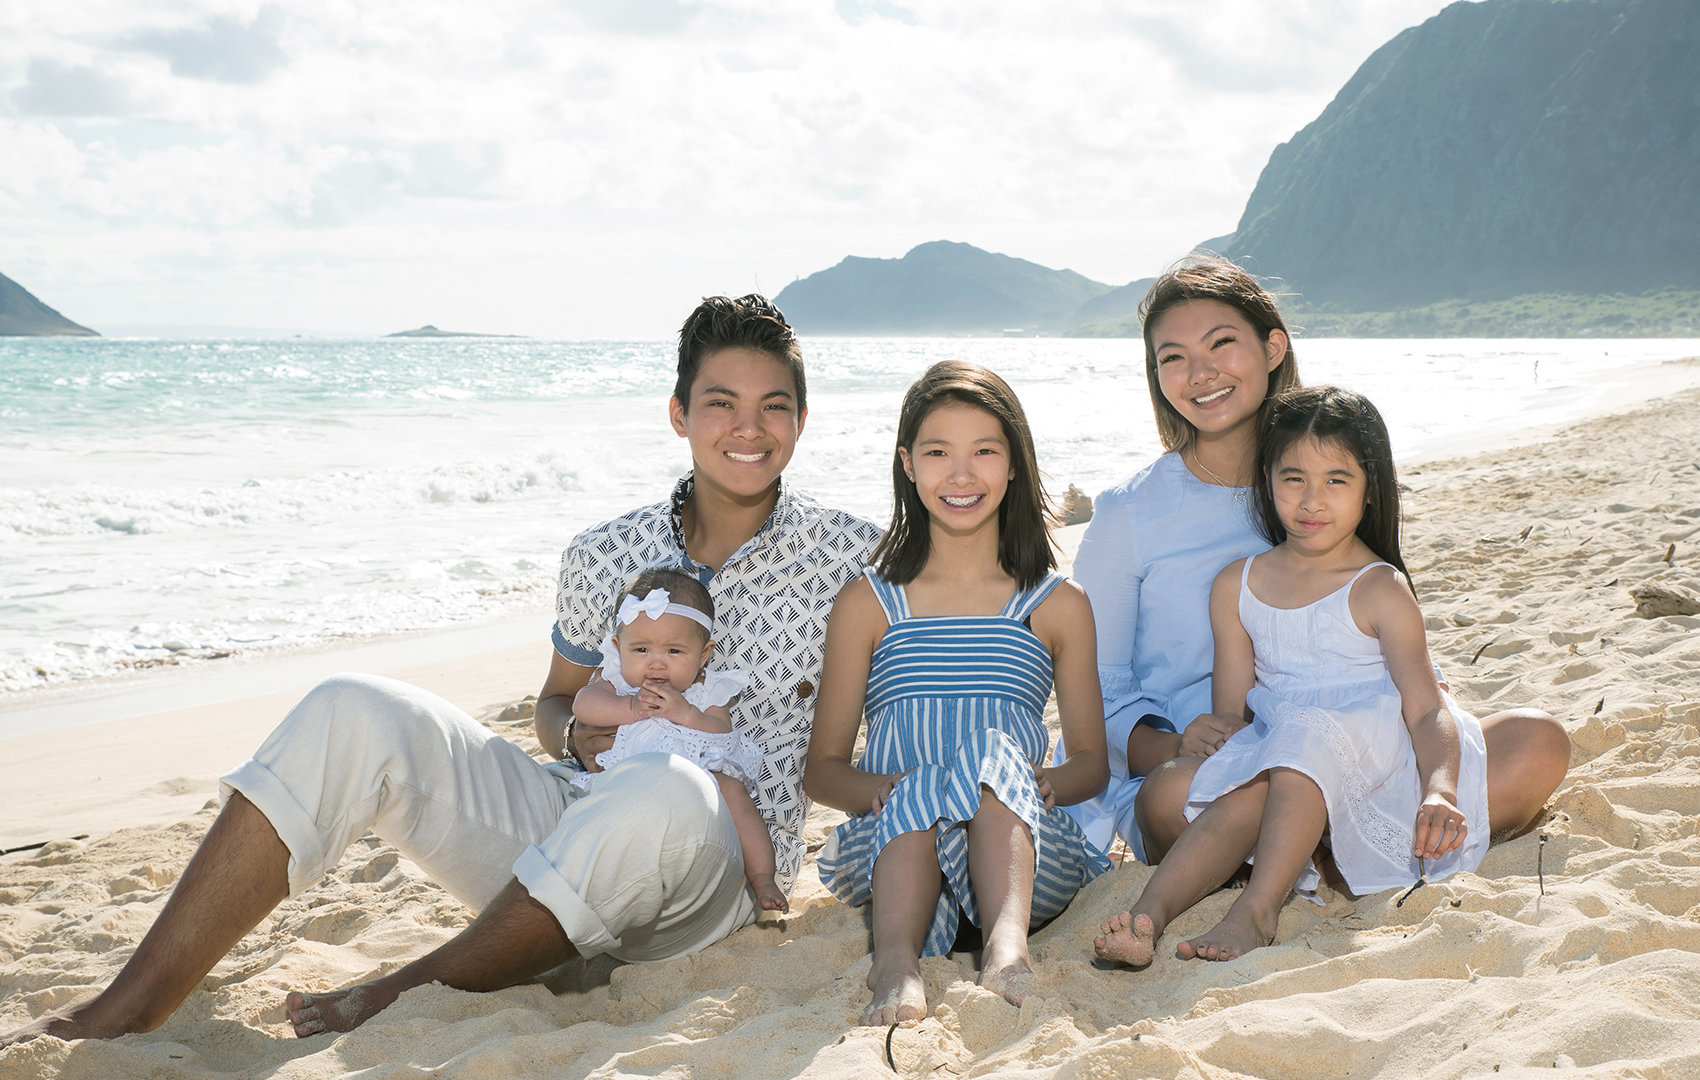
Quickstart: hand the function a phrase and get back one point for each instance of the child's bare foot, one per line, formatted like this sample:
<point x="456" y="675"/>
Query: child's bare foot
<point x="341" y="1010"/>
<point x="1008" y="976"/>
<point x="768" y="895"/>
<point x="899" y="994"/>
<point x="1230" y="939"/>
<point x="1128" y="939"/>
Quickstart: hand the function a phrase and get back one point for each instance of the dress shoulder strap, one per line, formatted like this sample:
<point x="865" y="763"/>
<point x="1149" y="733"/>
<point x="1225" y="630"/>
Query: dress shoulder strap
<point x="1021" y="605"/>
<point x="893" y="600"/>
<point x="1364" y="570"/>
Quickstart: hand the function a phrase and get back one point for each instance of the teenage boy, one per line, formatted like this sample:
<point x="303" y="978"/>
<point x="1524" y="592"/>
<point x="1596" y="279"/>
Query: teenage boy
<point x="646" y="866"/>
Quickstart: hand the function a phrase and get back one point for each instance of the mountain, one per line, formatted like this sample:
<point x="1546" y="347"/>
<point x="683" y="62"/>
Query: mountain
<point x="937" y="288"/>
<point x="1499" y="149"/>
<point x="429" y="331"/>
<point x="22" y="315"/>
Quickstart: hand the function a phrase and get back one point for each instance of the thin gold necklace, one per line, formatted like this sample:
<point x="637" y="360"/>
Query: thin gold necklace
<point x="1239" y="492"/>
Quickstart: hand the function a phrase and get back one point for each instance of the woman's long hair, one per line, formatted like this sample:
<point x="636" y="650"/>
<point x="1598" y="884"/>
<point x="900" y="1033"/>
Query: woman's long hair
<point x="1209" y="277"/>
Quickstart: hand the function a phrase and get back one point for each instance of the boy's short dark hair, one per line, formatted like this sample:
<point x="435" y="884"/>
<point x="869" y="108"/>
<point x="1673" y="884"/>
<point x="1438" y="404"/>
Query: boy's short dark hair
<point x="749" y="322"/>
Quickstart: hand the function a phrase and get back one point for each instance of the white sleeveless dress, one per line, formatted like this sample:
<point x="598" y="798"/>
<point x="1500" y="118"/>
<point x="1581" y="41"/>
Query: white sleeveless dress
<point x="731" y="753"/>
<point x="1324" y="705"/>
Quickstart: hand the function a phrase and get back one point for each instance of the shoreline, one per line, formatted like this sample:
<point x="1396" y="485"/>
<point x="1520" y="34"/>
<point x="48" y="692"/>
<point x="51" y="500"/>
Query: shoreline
<point x="203" y="681"/>
<point x="1574" y="946"/>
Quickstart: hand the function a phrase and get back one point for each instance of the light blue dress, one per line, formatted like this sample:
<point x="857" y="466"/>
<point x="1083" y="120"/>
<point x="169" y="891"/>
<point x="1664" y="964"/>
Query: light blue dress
<point x="959" y="702"/>
<point x="1155" y="545"/>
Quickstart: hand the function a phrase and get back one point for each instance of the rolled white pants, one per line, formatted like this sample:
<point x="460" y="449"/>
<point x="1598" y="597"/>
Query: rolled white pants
<point x="646" y="867"/>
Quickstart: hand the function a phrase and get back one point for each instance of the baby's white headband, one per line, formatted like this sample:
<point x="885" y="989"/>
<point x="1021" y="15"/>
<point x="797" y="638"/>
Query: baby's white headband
<point x="657" y="604"/>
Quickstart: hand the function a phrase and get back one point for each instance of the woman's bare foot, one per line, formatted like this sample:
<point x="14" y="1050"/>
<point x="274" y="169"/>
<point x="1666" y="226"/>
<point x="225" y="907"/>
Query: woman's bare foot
<point x="1128" y="939"/>
<point x="768" y="895"/>
<point x="340" y="1010"/>
<point x="1237" y="934"/>
<point x="899" y="994"/>
<point x="1008" y="976"/>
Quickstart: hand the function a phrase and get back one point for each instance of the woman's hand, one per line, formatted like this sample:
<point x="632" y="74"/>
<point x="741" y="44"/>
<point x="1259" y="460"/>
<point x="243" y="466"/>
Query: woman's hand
<point x="1440" y="827"/>
<point x="1206" y="734"/>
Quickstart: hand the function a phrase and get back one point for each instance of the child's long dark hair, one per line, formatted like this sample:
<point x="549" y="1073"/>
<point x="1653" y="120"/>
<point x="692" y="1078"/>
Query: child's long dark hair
<point x="1330" y="414"/>
<point x="1024" y="536"/>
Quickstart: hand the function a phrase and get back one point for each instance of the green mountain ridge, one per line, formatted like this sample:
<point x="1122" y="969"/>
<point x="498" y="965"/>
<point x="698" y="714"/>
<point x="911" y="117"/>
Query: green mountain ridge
<point x="1500" y="149"/>
<point x="940" y="287"/>
<point x="22" y="315"/>
<point x="1525" y="168"/>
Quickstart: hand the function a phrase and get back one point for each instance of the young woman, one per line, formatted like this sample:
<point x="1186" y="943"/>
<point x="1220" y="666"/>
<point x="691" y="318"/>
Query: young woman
<point x="1216" y="349"/>
<point x="1320" y="648"/>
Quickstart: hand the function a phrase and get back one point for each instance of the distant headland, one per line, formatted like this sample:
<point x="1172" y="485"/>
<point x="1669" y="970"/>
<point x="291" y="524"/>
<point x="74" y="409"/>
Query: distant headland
<point x="1507" y="169"/>
<point x="429" y="331"/>
<point x="22" y="315"/>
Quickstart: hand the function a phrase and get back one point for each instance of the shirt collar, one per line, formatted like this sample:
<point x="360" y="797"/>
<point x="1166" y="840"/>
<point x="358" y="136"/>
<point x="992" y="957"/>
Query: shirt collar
<point x="784" y="508"/>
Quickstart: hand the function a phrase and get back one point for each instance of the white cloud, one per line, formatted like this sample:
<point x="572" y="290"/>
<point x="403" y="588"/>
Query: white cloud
<point x="338" y="164"/>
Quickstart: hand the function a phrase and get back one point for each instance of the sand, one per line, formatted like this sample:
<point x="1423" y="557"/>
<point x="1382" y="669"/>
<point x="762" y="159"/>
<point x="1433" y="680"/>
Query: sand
<point x="1574" y="950"/>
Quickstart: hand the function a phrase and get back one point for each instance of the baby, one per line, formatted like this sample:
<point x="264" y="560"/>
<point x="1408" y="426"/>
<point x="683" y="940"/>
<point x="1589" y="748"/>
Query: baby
<point x="652" y="694"/>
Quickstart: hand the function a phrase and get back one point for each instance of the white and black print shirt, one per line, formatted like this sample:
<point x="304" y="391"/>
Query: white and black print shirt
<point x="771" y="602"/>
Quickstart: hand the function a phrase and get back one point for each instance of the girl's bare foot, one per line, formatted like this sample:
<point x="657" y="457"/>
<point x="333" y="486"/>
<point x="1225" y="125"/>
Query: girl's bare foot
<point x="768" y="896"/>
<point x="341" y="1010"/>
<point x="1008" y="976"/>
<point x="899" y="994"/>
<point x="1237" y="934"/>
<point x="1128" y="939"/>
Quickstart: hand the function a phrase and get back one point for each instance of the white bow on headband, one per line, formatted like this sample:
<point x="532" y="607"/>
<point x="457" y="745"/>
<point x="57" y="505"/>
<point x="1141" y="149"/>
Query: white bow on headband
<point x="657" y="604"/>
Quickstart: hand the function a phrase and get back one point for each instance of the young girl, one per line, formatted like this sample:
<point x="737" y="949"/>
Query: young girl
<point x="1319" y="644"/>
<point x="654" y="694"/>
<point x="951" y="642"/>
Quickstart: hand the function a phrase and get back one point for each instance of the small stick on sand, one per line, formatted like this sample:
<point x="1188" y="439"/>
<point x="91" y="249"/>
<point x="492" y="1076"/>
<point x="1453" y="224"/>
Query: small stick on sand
<point x="1422" y="879"/>
<point x="38" y="844"/>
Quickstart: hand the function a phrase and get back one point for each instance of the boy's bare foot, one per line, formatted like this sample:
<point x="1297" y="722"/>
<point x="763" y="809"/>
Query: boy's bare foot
<point x="1128" y="939"/>
<point x="768" y="895"/>
<point x="340" y="1010"/>
<point x="1230" y="939"/>
<point x="1010" y="977"/>
<point x="899" y="994"/>
<point x="91" y="1019"/>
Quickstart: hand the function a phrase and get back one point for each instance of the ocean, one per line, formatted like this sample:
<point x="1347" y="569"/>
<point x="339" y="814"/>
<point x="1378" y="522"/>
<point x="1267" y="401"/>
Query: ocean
<point x="181" y="501"/>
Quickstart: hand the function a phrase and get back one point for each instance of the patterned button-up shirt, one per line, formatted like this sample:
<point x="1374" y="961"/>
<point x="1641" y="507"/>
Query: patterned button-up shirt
<point x="771" y="602"/>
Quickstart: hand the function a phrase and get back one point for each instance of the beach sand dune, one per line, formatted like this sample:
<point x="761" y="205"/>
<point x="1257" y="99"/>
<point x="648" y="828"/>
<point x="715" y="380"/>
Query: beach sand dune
<point x="1575" y="948"/>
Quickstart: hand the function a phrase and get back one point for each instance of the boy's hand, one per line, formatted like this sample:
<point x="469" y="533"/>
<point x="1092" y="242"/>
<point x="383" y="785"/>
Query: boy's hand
<point x="1440" y="827"/>
<point x="1206" y="734"/>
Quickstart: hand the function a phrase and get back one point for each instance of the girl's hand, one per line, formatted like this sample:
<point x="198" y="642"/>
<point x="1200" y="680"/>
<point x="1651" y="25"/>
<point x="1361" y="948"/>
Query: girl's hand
<point x="1045" y="791"/>
<point x="659" y="699"/>
<point x="885" y="790"/>
<point x="1206" y="734"/>
<point x="1440" y="827"/>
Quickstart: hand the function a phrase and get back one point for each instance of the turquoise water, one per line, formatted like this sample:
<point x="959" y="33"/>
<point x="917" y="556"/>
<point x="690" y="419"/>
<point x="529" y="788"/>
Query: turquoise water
<point x="192" y="499"/>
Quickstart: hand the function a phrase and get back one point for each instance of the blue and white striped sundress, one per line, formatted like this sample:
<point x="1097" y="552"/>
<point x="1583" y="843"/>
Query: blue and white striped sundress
<point x="960" y="702"/>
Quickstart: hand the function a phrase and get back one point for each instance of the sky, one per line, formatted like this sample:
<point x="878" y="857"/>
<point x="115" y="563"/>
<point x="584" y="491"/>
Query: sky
<point x="590" y="168"/>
